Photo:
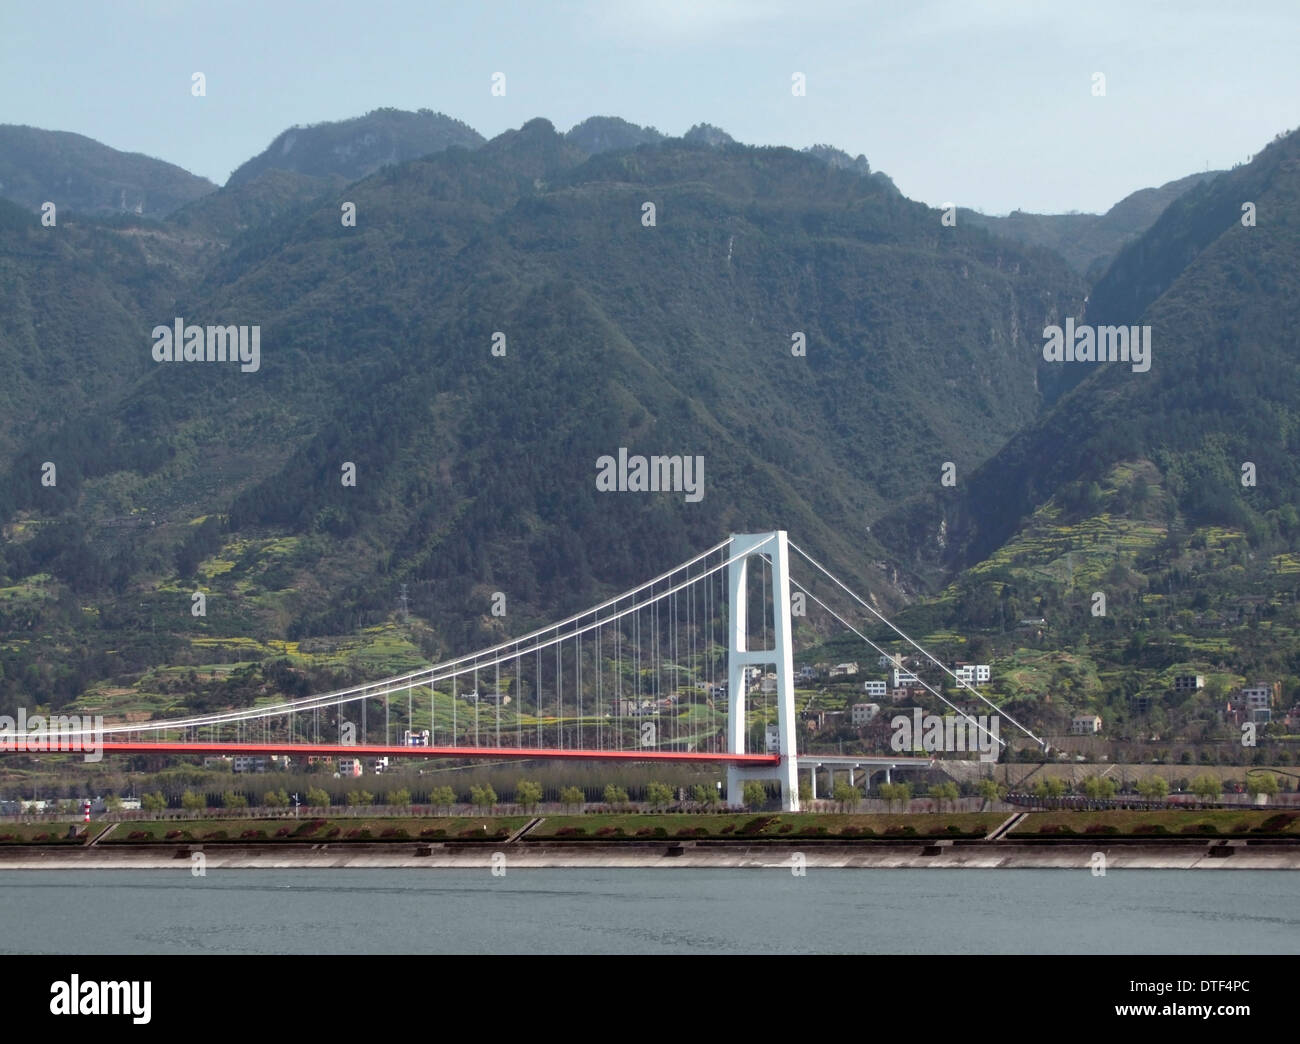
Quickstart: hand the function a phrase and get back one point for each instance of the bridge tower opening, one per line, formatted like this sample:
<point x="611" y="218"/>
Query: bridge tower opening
<point x="745" y="548"/>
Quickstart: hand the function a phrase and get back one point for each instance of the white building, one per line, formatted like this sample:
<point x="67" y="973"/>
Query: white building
<point x="844" y="670"/>
<point x="973" y="673"/>
<point x="875" y="688"/>
<point x="350" y="767"/>
<point x="864" y="712"/>
<point x="772" y="737"/>
<point x="807" y="673"/>
<point x="904" y="678"/>
<point x="1085" y="725"/>
<point x="248" y="763"/>
<point x="411" y="738"/>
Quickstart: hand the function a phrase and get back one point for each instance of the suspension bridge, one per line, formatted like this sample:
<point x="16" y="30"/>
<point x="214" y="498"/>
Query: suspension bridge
<point x="665" y="671"/>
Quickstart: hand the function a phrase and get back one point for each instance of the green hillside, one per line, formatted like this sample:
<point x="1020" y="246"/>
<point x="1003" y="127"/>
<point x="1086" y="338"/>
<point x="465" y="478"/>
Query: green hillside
<point x="1171" y="492"/>
<point x="477" y="472"/>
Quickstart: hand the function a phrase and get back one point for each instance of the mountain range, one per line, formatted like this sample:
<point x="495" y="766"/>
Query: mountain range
<point x="503" y="313"/>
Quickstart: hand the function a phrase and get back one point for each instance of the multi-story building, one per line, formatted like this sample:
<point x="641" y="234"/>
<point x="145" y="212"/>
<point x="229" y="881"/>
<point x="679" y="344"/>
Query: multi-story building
<point x="1259" y="699"/>
<point x="875" y="688"/>
<point x="248" y="763"/>
<point x="1261" y="694"/>
<point x="350" y="767"/>
<point x="864" y="712"/>
<point x="973" y="673"/>
<point x="1188" y="682"/>
<point x="1085" y="725"/>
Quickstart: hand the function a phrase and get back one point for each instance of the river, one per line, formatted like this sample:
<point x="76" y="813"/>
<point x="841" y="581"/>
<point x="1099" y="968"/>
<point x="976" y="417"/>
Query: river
<point x="648" y="911"/>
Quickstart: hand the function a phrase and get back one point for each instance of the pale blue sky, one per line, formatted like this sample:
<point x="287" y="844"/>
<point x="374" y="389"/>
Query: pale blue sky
<point x="986" y="103"/>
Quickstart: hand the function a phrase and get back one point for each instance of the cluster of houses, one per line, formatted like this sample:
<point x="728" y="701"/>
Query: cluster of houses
<point x="901" y="682"/>
<point x="629" y="707"/>
<point x="493" y="698"/>
<point x="1253" y="704"/>
<point x="41" y="806"/>
<point x="344" y="767"/>
<point x="756" y="681"/>
<point x="251" y="762"/>
<point x="1256" y="703"/>
<point x="257" y="763"/>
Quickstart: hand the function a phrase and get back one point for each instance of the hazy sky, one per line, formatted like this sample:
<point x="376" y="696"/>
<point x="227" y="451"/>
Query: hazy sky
<point x="985" y="103"/>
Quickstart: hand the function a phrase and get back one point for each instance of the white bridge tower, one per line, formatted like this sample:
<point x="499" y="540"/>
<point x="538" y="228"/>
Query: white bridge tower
<point x="774" y="548"/>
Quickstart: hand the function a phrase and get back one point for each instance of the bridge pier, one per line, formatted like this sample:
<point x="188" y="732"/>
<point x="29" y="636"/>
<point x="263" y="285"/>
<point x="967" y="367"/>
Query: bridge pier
<point x="774" y="548"/>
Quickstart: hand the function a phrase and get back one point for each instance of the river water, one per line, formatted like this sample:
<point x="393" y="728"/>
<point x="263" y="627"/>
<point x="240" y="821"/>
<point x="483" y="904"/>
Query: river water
<point x="649" y="911"/>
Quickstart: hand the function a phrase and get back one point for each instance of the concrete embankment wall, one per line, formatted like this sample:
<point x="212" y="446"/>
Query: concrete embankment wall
<point x="999" y="855"/>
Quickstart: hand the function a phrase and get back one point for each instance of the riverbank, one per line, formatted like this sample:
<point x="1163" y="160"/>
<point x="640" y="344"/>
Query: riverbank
<point x="1065" y="855"/>
<point x="1146" y="839"/>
